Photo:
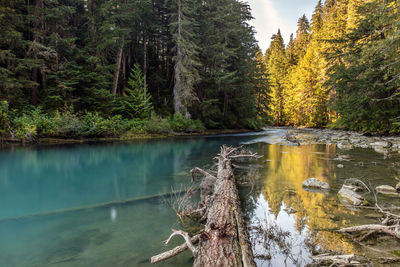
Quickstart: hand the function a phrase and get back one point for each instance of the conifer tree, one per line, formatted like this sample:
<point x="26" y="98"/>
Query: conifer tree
<point x="366" y="80"/>
<point x="262" y="87"/>
<point x="183" y="28"/>
<point x="277" y="66"/>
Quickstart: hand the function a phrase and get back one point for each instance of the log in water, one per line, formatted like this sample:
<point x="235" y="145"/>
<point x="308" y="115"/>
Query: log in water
<point x="224" y="241"/>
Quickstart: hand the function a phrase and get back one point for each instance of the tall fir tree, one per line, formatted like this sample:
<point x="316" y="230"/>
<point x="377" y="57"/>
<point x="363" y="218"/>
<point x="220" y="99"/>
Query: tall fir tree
<point x="277" y="66"/>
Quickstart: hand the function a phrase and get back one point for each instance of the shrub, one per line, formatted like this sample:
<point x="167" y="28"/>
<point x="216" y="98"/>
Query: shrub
<point x="4" y="119"/>
<point x="24" y="127"/>
<point x="156" y="124"/>
<point x="94" y="125"/>
<point x="68" y="123"/>
<point x="136" y="125"/>
<point x="180" y="124"/>
<point x="45" y="124"/>
<point x="253" y="123"/>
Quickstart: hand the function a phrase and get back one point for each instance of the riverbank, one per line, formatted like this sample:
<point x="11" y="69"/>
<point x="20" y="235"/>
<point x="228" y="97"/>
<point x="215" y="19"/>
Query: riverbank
<point x="129" y="136"/>
<point x="343" y="139"/>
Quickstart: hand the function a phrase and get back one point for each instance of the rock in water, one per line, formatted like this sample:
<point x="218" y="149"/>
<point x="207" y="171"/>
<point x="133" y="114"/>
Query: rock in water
<point x="345" y="146"/>
<point x="398" y="187"/>
<point x="384" y="144"/>
<point x="386" y="190"/>
<point x="351" y="197"/>
<point x="314" y="183"/>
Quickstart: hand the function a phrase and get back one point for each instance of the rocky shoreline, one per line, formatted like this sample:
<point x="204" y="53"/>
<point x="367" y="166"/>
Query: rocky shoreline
<point x="343" y="139"/>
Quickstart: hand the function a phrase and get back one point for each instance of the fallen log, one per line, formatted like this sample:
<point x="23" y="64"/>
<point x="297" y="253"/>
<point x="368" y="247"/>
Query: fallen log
<point x="390" y="230"/>
<point x="332" y="260"/>
<point x="224" y="240"/>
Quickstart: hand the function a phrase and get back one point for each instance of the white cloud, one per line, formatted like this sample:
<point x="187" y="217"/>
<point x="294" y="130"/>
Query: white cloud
<point x="267" y="21"/>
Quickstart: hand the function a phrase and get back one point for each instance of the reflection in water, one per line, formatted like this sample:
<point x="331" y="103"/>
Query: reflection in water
<point x="40" y="185"/>
<point x="287" y="223"/>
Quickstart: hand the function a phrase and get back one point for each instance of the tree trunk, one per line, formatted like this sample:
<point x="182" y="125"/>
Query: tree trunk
<point x="177" y="70"/>
<point x="123" y="74"/>
<point x="224" y="241"/>
<point x="144" y="63"/>
<point x="118" y="68"/>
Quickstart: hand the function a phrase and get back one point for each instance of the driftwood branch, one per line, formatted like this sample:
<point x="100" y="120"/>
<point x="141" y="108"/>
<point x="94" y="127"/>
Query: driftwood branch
<point x="175" y="251"/>
<point x="186" y="237"/>
<point x="201" y="171"/>
<point x="254" y="155"/>
<point x="390" y="230"/>
<point x="347" y="260"/>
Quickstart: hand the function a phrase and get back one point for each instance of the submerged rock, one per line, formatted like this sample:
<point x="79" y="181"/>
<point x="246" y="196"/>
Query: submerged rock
<point x="384" y="144"/>
<point x="314" y="183"/>
<point x="351" y="197"/>
<point x="344" y="146"/>
<point x="398" y="187"/>
<point x="386" y="190"/>
<point x="355" y="185"/>
<point x="340" y="166"/>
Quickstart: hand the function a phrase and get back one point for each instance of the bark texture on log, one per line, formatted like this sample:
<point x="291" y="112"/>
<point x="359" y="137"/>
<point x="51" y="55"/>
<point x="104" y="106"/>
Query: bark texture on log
<point x="224" y="241"/>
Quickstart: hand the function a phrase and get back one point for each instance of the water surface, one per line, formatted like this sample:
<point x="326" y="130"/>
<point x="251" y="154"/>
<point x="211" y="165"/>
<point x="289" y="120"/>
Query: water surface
<point x="76" y="205"/>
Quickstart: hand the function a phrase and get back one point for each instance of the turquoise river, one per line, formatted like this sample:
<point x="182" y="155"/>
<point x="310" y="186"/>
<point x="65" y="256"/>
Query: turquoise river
<point x="91" y="204"/>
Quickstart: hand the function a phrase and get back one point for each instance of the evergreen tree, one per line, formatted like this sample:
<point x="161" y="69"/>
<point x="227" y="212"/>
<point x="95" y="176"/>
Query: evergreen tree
<point x="366" y="81"/>
<point x="262" y="87"/>
<point x="302" y="37"/>
<point x="135" y="103"/>
<point x="277" y="66"/>
<point x="184" y="30"/>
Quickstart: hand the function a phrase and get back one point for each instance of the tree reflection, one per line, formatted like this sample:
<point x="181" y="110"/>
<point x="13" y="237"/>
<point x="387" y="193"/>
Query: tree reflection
<point x="282" y="237"/>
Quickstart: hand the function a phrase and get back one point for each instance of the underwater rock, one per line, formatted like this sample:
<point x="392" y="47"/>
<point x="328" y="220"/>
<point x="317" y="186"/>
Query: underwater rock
<point x="340" y="166"/>
<point x="398" y="187"/>
<point x="352" y="197"/>
<point x="386" y="190"/>
<point x="355" y="185"/>
<point x="384" y="144"/>
<point x="314" y="183"/>
<point x="344" y="146"/>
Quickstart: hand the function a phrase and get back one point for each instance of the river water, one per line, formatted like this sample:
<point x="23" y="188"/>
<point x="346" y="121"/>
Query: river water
<point x="89" y="204"/>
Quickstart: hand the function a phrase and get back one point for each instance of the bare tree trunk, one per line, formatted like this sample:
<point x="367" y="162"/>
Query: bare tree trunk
<point x="177" y="71"/>
<point x="123" y="74"/>
<point x="118" y="68"/>
<point x="35" y="87"/>
<point x="224" y="241"/>
<point x="144" y="63"/>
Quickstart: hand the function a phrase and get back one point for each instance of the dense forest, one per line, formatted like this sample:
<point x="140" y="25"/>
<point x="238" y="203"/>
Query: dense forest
<point x="98" y="67"/>
<point x="104" y="67"/>
<point x="342" y="69"/>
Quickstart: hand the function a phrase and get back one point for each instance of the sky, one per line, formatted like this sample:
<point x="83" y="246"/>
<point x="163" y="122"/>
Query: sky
<point x="271" y="15"/>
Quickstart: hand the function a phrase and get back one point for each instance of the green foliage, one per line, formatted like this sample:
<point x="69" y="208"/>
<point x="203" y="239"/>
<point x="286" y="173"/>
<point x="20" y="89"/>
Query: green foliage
<point x="156" y="124"/>
<point x="136" y="126"/>
<point x="136" y="101"/>
<point x="24" y="128"/>
<point x="81" y="53"/>
<point x="181" y="124"/>
<point x="4" y="119"/>
<point x="366" y="80"/>
<point x="94" y="125"/>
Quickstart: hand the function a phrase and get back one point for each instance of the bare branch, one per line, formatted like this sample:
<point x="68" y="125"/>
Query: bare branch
<point x="390" y="230"/>
<point x="187" y="240"/>
<point x="198" y="170"/>
<point x="254" y="155"/>
<point x="175" y="251"/>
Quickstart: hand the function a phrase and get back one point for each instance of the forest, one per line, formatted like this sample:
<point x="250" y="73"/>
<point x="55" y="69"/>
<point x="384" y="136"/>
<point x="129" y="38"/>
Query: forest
<point x="340" y="70"/>
<point x="90" y="68"/>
